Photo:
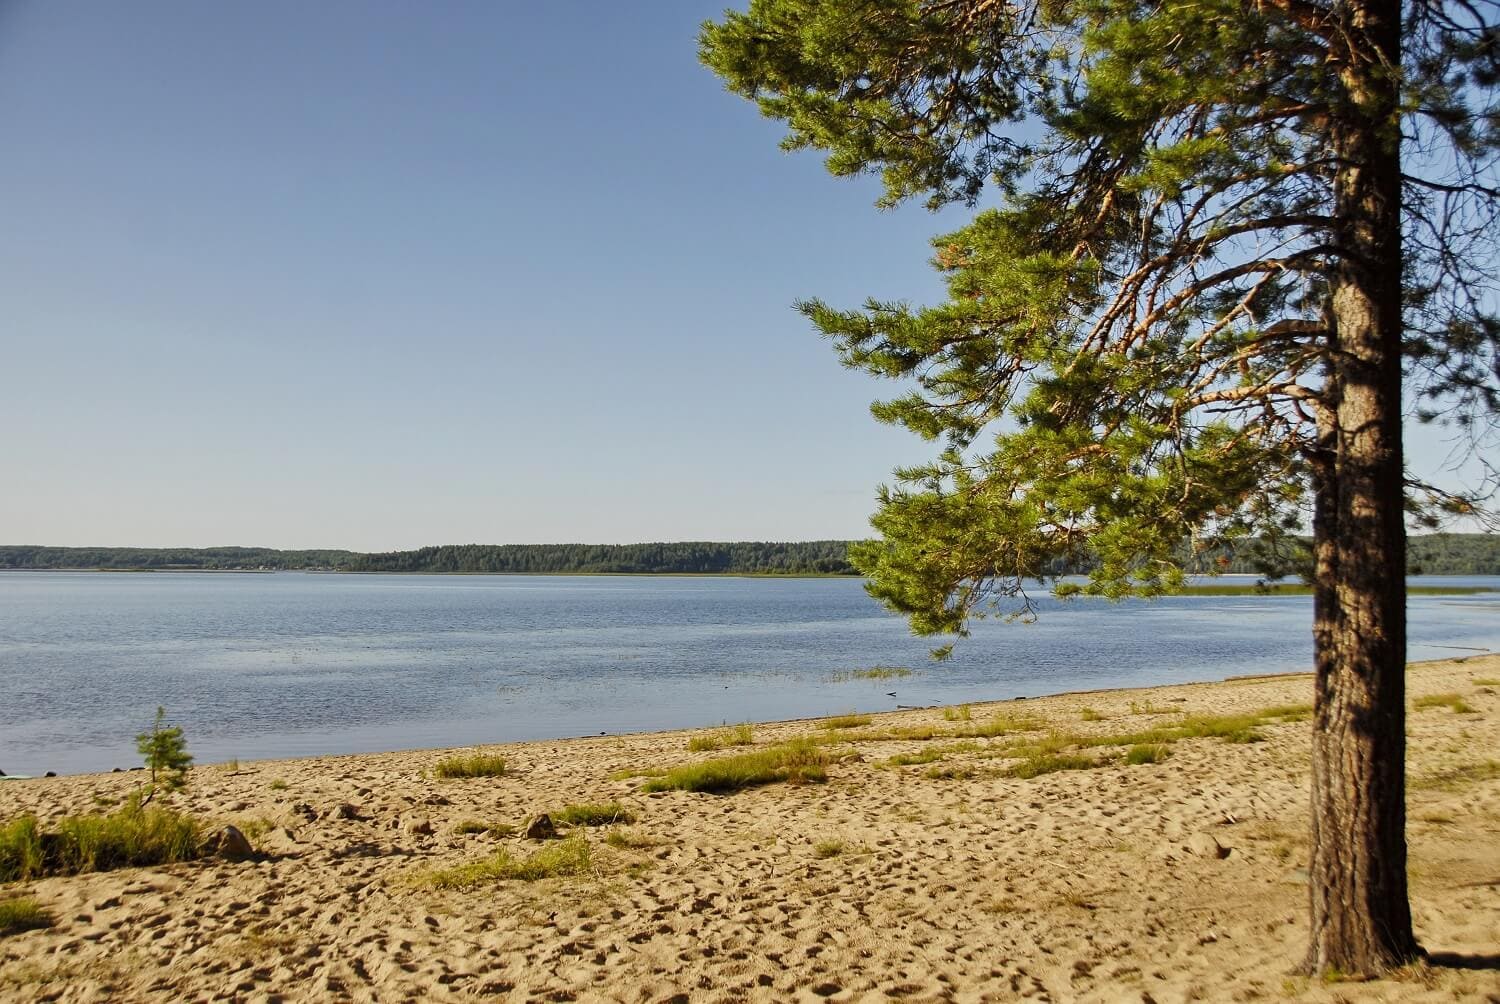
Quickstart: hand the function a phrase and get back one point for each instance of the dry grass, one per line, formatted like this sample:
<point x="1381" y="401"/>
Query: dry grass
<point x="740" y="735"/>
<point x="1459" y="777"/>
<point x="845" y="722"/>
<point x="566" y="857"/>
<point x="1453" y="701"/>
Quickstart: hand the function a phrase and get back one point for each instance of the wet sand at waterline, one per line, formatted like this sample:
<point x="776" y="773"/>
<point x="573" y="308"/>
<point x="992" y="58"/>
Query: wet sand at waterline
<point x="949" y="879"/>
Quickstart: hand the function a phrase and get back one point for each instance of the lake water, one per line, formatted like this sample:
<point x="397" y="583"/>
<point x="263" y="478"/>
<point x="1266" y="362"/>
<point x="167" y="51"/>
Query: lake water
<point x="295" y="664"/>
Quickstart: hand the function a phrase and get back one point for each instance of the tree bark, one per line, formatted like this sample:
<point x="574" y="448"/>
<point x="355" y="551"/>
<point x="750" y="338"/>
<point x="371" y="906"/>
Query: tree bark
<point x="1361" y="917"/>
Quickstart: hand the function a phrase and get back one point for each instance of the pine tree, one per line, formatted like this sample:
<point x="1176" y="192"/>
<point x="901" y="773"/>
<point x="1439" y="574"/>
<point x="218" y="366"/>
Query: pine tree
<point x="165" y="751"/>
<point x="1220" y="241"/>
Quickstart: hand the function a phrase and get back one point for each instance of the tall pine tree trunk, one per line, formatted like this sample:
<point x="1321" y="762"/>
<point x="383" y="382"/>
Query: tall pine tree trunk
<point x="1361" y="918"/>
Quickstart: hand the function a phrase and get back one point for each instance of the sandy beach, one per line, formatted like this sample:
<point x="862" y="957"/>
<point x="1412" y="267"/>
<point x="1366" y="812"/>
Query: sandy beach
<point x="949" y="878"/>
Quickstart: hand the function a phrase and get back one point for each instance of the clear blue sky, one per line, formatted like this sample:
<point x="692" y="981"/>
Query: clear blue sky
<point x="377" y="275"/>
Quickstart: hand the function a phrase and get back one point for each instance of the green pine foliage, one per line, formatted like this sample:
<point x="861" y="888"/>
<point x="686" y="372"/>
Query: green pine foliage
<point x="1122" y="375"/>
<point x="165" y="751"/>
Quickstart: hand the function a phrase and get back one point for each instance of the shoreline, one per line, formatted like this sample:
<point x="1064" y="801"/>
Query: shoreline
<point x="776" y="723"/>
<point x="937" y="875"/>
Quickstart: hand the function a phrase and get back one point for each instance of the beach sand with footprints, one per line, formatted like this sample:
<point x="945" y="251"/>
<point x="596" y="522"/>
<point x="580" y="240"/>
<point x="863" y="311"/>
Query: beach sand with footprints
<point x="941" y="876"/>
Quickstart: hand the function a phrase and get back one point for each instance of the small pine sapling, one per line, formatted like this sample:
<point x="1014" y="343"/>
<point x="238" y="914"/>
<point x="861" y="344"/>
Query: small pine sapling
<point x="165" y="752"/>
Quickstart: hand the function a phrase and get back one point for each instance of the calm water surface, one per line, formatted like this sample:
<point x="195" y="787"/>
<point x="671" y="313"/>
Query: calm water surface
<point x="293" y="664"/>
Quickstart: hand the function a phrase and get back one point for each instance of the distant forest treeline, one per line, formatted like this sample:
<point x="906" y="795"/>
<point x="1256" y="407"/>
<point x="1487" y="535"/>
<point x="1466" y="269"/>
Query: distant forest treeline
<point x="1429" y="554"/>
<point x="826" y="557"/>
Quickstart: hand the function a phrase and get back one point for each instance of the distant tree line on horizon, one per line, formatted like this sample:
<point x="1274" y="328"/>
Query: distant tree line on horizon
<point x="1427" y="554"/>
<point x="812" y="557"/>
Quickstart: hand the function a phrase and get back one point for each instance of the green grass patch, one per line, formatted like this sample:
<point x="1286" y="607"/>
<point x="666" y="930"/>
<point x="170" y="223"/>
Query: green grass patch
<point x="586" y="814"/>
<point x="1458" y="777"/>
<point x="962" y="713"/>
<point x="1230" y="728"/>
<point x="1051" y="763"/>
<point x="740" y="735"/>
<point x="17" y="915"/>
<point x="932" y="754"/>
<point x="278" y="785"/>
<point x="492" y="829"/>
<point x="1148" y="708"/>
<point x="1486" y="681"/>
<point x="565" y="857"/>
<point x="873" y="673"/>
<point x="795" y="762"/>
<point x="1090" y="715"/>
<point x="948" y="772"/>
<point x="846" y="722"/>
<point x="1454" y="701"/>
<point x="999" y="725"/>
<point x="1147" y="753"/>
<point x="128" y="837"/>
<point x="1288" y="712"/>
<point x="929" y="755"/>
<point x="1052" y="742"/>
<point x="470" y="765"/>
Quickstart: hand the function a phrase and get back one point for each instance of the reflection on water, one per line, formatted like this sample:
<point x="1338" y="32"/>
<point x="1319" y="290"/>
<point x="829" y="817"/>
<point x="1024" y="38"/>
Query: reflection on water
<point x="290" y="664"/>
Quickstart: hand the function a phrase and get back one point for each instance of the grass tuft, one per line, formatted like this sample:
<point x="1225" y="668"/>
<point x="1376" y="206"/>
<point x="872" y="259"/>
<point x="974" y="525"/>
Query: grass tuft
<point x="929" y="755"/>
<point x="17" y="915"/>
<point x="584" y="814"/>
<point x="129" y="837"/>
<point x="845" y="722"/>
<point x="1454" y="701"/>
<point x="471" y="765"/>
<point x="492" y="829"/>
<point x="566" y="857"/>
<point x="1486" y="681"/>
<point x="740" y="735"/>
<point x="1147" y="753"/>
<point x="1090" y="715"/>
<point x="829" y="848"/>
<point x="1050" y="763"/>
<point x="795" y="762"/>
<point x="999" y="725"/>
<point x="962" y="713"/>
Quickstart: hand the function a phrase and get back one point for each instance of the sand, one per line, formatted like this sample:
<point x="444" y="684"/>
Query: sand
<point x="1107" y="884"/>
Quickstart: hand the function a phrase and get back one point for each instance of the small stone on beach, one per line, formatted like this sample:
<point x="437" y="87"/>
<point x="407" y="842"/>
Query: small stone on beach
<point x="540" y="827"/>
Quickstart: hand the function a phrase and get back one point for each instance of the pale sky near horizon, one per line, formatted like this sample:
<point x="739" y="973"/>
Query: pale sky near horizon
<point x="378" y="275"/>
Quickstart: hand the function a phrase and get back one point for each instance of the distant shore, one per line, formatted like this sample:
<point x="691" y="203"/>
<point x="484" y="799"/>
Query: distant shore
<point x="927" y="866"/>
<point x="1209" y="588"/>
